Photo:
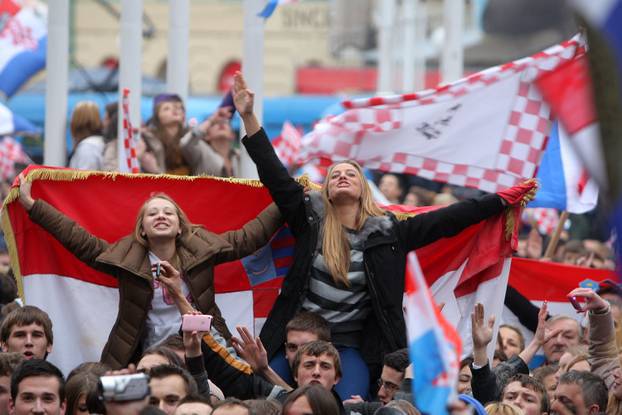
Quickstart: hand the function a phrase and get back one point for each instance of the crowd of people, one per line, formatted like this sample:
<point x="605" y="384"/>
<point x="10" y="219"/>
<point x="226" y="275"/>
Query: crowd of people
<point x="335" y="339"/>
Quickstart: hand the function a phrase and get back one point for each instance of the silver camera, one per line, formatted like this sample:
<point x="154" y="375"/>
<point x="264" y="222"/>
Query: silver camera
<point x="123" y="388"/>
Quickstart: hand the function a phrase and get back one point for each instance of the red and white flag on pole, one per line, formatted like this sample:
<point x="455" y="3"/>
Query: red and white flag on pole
<point x="486" y="131"/>
<point x="130" y="159"/>
<point x="11" y="152"/>
<point x="287" y="145"/>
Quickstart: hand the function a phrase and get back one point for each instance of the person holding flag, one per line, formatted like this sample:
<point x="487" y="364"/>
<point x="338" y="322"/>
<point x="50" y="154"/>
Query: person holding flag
<point x="350" y="256"/>
<point x="164" y="244"/>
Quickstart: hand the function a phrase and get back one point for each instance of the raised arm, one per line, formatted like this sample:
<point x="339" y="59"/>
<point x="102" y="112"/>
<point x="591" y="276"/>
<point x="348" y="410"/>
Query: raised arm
<point x="85" y="246"/>
<point x="285" y="191"/>
<point x="603" y="353"/>
<point x="428" y="227"/>
<point x="253" y="235"/>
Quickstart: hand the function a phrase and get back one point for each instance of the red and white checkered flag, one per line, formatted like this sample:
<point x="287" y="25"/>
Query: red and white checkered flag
<point x="545" y="219"/>
<point x="11" y="152"/>
<point x="129" y="143"/>
<point x="486" y="131"/>
<point x="287" y="145"/>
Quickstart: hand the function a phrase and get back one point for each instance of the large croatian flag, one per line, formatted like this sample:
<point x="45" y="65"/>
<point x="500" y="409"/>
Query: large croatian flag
<point x="472" y="266"/>
<point x="434" y="345"/>
<point x="486" y="131"/>
<point x="23" y="43"/>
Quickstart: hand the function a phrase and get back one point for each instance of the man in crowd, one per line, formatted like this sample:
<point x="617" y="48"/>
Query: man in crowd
<point x="37" y="387"/>
<point x="526" y="393"/>
<point x="304" y="328"/>
<point x="27" y="330"/>
<point x="8" y="363"/>
<point x="169" y="385"/>
<point x="194" y="405"/>
<point x="232" y="406"/>
<point x="569" y="335"/>
<point x="393" y="371"/>
<point x="579" y="393"/>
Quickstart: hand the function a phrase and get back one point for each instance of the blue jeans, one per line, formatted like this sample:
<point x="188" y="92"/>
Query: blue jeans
<point x="355" y="374"/>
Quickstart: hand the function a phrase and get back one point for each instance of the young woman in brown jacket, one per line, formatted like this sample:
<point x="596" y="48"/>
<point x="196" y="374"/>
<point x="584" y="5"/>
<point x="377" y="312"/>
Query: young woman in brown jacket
<point x="163" y="241"/>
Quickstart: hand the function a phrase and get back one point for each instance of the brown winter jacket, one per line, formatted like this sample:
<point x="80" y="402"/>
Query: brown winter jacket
<point x="128" y="261"/>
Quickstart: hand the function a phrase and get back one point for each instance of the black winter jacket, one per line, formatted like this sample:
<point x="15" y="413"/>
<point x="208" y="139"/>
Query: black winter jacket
<point x="384" y="254"/>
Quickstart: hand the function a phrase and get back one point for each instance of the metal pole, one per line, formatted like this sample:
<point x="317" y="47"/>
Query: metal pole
<point x="178" y="35"/>
<point x="452" y="59"/>
<point x="421" y="25"/>
<point x="130" y="68"/>
<point x="252" y="68"/>
<point x="409" y="44"/>
<point x="57" y="70"/>
<point x="386" y="19"/>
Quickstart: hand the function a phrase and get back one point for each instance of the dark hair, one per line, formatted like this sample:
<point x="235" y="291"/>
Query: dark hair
<point x="397" y="360"/>
<point x="111" y="130"/>
<point x="8" y="288"/>
<point x="36" y="368"/>
<point x="466" y="362"/>
<point x="321" y="401"/>
<point x="264" y="406"/>
<point x="9" y="361"/>
<point x="310" y="322"/>
<point x="167" y="353"/>
<point x="529" y="382"/>
<point x="317" y="348"/>
<point x="163" y="371"/>
<point x="231" y="402"/>
<point x="147" y="410"/>
<point x="24" y="316"/>
<point x="195" y="398"/>
<point x="521" y="337"/>
<point x="542" y="372"/>
<point x="592" y="386"/>
<point x="97" y="368"/>
<point x="174" y="341"/>
<point x="79" y="383"/>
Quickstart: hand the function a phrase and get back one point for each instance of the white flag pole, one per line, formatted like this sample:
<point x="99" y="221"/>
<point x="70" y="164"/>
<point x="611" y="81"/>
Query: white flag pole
<point x="413" y="63"/>
<point x="252" y="68"/>
<point x="386" y="26"/>
<point x="56" y="83"/>
<point x="130" y="69"/>
<point x="177" y="71"/>
<point x="452" y="58"/>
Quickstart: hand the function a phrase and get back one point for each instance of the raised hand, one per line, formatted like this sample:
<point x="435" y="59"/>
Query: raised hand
<point x="250" y="349"/>
<point x="192" y="340"/>
<point x="243" y="98"/>
<point x="593" y="301"/>
<point x="170" y="277"/>
<point x="25" y="198"/>
<point x="481" y="330"/>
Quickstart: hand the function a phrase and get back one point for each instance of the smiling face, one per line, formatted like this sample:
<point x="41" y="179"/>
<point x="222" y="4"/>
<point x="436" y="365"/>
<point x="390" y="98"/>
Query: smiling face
<point x="344" y="183"/>
<point x="160" y="220"/>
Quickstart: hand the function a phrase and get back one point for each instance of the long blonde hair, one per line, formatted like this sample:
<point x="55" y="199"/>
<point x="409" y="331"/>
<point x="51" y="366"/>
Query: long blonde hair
<point x="335" y="245"/>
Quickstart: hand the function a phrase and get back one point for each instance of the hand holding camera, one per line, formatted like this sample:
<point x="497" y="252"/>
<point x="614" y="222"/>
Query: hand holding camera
<point x="193" y="326"/>
<point x="164" y="272"/>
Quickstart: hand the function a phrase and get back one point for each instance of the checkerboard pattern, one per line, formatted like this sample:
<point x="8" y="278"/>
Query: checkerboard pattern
<point x="287" y="145"/>
<point x="129" y="143"/>
<point x="11" y="152"/>
<point x="340" y="137"/>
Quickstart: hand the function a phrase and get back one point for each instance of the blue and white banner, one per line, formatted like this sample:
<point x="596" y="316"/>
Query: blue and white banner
<point x="23" y="43"/>
<point x="564" y="182"/>
<point x="11" y="123"/>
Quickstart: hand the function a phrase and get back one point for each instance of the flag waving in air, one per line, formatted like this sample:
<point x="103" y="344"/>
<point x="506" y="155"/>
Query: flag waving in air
<point x="23" y="42"/>
<point x="434" y="345"/>
<point x="486" y="131"/>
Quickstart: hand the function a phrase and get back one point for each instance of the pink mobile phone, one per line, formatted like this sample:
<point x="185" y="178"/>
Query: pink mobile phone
<point x="196" y="322"/>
